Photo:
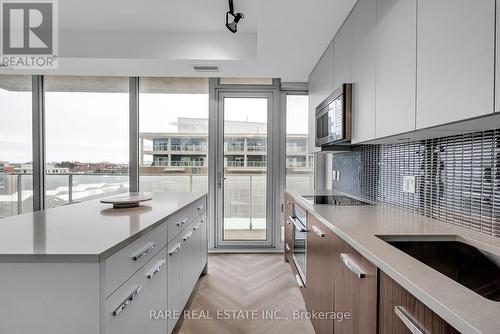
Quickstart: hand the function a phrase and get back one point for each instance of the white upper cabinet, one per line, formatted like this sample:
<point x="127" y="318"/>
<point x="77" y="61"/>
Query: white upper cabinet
<point x="395" y="66"/>
<point x="364" y="21"/>
<point x="342" y="54"/>
<point x="320" y="86"/>
<point x="455" y="60"/>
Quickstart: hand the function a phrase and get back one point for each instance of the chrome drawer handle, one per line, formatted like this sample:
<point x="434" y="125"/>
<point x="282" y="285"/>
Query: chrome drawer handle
<point x="318" y="231"/>
<point x="299" y="281"/>
<point x="197" y="226"/>
<point x="351" y="265"/>
<point x="200" y="207"/>
<point x="188" y="235"/>
<point x="182" y="222"/>
<point x="412" y="326"/>
<point x="287" y="247"/>
<point x="175" y="249"/>
<point x="297" y="224"/>
<point x="143" y="252"/>
<point x="128" y="301"/>
<point x="156" y="270"/>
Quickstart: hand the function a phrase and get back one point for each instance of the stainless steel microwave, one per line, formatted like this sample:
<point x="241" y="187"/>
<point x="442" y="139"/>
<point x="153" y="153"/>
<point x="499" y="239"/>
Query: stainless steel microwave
<point x="334" y="118"/>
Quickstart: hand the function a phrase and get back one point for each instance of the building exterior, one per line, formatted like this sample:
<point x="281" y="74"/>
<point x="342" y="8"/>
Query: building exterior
<point x="245" y="149"/>
<point x="185" y="154"/>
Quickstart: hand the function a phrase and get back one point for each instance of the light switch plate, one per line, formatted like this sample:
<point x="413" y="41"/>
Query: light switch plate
<point x="409" y="184"/>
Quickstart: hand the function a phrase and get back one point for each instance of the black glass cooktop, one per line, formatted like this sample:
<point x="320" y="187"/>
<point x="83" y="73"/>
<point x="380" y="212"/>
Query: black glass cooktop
<point x="333" y="200"/>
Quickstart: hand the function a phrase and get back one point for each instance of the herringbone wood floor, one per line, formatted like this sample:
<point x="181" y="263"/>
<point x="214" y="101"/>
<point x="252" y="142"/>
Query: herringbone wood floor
<point x="246" y="282"/>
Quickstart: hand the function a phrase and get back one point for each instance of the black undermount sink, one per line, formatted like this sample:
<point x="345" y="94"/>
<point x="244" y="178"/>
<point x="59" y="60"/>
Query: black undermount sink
<point x="473" y="268"/>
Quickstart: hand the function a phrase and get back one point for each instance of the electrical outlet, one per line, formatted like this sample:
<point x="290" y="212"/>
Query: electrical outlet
<point x="338" y="175"/>
<point x="409" y="184"/>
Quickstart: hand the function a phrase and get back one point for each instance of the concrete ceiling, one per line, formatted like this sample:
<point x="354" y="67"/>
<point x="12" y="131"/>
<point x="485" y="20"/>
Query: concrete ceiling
<point x="277" y="38"/>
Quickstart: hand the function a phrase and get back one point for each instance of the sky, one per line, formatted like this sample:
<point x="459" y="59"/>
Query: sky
<point x="93" y="127"/>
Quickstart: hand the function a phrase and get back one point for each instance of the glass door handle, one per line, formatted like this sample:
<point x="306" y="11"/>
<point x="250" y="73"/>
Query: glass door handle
<point x="219" y="181"/>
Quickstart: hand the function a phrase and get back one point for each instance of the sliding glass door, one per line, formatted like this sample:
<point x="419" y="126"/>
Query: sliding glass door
<point x="243" y="169"/>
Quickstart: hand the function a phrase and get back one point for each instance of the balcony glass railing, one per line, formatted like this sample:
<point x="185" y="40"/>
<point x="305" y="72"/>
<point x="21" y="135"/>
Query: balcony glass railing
<point x="292" y="164"/>
<point x="61" y="189"/>
<point x="188" y="163"/>
<point x="159" y="163"/>
<point x="159" y="148"/>
<point x="189" y="148"/>
<point x="234" y="148"/>
<point x="234" y="164"/>
<point x="256" y="148"/>
<point x="295" y="149"/>
<point x="70" y="188"/>
<point x="256" y="164"/>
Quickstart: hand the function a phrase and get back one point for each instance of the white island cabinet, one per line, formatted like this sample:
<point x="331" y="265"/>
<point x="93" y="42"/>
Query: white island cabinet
<point x="87" y="268"/>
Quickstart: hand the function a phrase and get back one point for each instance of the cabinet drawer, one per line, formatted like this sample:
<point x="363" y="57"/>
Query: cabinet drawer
<point x="355" y="290"/>
<point x="128" y="309"/>
<point x="179" y="221"/>
<point x="175" y="265"/>
<point x="400" y="311"/>
<point x="124" y="263"/>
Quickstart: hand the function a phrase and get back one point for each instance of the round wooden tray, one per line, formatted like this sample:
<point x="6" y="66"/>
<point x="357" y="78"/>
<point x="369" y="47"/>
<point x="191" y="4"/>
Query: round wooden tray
<point x="127" y="201"/>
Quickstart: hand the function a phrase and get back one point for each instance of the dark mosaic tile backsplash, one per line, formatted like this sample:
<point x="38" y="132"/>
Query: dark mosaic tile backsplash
<point x="457" y="177"/>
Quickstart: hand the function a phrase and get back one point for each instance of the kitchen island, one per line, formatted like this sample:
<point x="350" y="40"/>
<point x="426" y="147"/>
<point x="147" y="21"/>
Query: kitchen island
<point x="87" y="268"/>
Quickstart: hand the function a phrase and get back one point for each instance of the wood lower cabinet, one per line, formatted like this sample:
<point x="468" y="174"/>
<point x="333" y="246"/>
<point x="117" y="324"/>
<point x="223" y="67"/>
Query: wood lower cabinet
<point x="399" y="310"/>
<point x="340" y="280"/>
<point x="319" y="289"/>
<point x="355" y="291"/>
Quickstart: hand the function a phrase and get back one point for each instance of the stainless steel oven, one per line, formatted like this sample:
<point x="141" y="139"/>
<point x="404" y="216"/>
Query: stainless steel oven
<point x="334" y="118"/>
<point x="299" y="220"/>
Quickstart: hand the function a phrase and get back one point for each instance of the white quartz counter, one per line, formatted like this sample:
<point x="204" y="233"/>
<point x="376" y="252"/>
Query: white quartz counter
<point x="467" y="311"/>
<point x="84" y="232"/>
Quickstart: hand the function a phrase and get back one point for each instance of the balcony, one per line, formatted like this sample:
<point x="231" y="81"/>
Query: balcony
<point x="244" y="211"/>
<point x="256" y="163"/>
<point x="188" y="163"/>
<point x="159" y="164"/>
<point x="163" y="147"/>
<point x="234" y="148"/>
<point x="234" y="164"/>
<point x="256" y="148"/>
<point x="16" y="190"/>
<point x="189" y="148"/>
<point x="295" y="149"/>
<point x="296" y="164"/>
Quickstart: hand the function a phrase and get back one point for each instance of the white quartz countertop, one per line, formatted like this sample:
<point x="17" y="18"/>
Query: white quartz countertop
<point x="359" y="226"/>
<point x="84" y="232"/>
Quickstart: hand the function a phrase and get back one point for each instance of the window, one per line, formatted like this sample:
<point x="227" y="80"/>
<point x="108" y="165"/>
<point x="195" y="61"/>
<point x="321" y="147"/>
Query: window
<point x="246" y="81"/>
<point x="173" y="134"/>
<point x="16" y="182"/>
<point x="86" y="138"/>
<point x="299" y="164"/>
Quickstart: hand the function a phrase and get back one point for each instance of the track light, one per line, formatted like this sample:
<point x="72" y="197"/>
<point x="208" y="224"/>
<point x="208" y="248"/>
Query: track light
<point x="234" y="18"/>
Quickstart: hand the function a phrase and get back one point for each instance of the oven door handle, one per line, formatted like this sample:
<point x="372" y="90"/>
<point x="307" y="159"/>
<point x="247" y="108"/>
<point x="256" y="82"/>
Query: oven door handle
<point x="298" y="224"/>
